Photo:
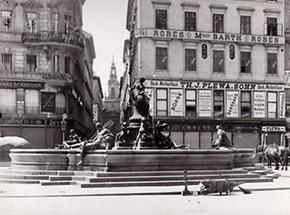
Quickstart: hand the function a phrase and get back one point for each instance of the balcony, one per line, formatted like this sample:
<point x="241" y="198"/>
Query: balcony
<point x="73" y="38"/>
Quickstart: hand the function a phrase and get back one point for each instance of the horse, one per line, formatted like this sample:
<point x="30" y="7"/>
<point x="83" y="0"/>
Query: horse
<point x="273" y="153"/>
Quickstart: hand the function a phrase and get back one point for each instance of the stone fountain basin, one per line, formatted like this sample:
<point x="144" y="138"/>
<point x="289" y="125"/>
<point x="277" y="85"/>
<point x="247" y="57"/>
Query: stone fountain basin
<point x="132" y="160"/>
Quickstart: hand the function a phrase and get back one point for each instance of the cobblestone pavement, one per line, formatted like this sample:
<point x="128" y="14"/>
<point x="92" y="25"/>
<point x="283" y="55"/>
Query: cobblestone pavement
<point x="266" y="199"/>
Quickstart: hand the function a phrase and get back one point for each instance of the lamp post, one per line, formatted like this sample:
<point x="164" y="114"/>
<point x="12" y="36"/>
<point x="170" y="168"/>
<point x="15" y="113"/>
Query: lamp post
<point x="63" y="126"/>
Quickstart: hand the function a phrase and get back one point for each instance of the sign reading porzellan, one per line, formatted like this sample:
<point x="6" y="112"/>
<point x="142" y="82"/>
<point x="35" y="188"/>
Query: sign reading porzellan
<point x="209" y="36"/>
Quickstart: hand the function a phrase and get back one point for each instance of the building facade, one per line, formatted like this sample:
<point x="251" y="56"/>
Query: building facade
<point x="98" y="99"/>
<point x="211" y="62"/>
<point x="46" y="70"/>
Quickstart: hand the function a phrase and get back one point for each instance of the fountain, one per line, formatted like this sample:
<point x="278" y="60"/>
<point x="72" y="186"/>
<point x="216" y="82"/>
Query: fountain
<point x="140" y="146"/>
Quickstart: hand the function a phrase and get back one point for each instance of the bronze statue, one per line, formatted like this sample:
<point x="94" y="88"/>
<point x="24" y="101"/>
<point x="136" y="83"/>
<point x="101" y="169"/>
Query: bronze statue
<point x="140" y="100"/>
<point x="222" y="139"/>
<point x="73" y="138"/>
<point x="123" y="137"/>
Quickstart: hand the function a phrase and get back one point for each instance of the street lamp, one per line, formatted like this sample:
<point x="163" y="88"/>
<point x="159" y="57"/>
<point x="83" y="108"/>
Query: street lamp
<point x="63" y="126"/>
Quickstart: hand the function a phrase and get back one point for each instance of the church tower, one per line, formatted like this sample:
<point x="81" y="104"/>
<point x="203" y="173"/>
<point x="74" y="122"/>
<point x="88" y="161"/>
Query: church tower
<point x="113" y="83"/>
<point x="111" y="114"/>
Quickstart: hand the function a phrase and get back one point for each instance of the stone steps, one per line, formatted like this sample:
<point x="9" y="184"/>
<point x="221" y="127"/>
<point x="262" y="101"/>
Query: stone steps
<point x="164" y="183"/>
<point x="137" y="178"/>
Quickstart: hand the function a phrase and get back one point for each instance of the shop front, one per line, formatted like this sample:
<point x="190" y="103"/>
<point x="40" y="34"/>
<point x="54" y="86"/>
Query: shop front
<point x="193" y="109"/>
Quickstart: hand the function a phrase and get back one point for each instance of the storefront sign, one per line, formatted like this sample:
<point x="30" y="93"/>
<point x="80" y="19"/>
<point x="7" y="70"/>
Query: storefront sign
<point x="19" y="84"/>
<point x="176" y="100"/>
<point x="282" y="105"/>
<point x="274" y="128"/>
<point x="232" y="109"/>
<point x="205" y="103"/>
<point x="214" y="85"/>
<point x="209" y="36"/>
<point x="259" y="105"/>
<point x="185" y="127"/>
<point x="32" y="122"/>
<point x="47" y="102"/>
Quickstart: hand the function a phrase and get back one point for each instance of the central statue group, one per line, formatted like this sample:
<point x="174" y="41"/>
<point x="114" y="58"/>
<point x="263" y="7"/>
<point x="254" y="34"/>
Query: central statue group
<point x="137" y="134"/>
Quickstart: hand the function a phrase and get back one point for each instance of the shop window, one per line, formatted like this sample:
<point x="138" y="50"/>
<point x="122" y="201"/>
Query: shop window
<point x="272" y="26"/>
<point x="245" y="62"/>
<point x="271" y="63"/>
<point x="6" y="19"/>
<point x="161" y="102"/>
<point x="218" y="61"/>
<point x="67" y="61"/>
<point x="31" y="63"/>
<point x="161" y="59"/>
<point x="54" y="22"/>
<point x="31" y="21"/>
<point x="218" y="23"/>
<point x="190" y="103"/>
<point x="6" y="62"/>
<point x="7" y="101"/>
<point x="272" y="105"/>
<point x="31" y="98"/>
<point x="245" y="104"/>
<point x="189" y="21"/>
<point x="67" y="23"/>
<point x="190" y="60"/>
<point x="161" y="19"/>
<point x="56" y="63"/>
<point x="245" y="24"/>
<point x="218" y="102"/>
<point x="177" y="137"/>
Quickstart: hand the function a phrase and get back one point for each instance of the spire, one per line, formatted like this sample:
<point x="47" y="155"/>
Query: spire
<point x="113" y="73"/>
<point x="113" y="83"/>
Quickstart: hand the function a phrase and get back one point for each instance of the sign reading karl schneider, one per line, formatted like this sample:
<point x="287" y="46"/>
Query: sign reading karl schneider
<point x="21" y="84"/>
<point x="209" y="36"/>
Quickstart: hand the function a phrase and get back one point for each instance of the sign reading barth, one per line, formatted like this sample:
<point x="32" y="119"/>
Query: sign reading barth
<point x="210" y="36"/>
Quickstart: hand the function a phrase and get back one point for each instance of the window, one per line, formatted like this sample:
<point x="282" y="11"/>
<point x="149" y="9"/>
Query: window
<point x="161" y="102"/>
<point x="218" y="23"/>
<point x="6" y="19"/>
<point x="56" y="63"/>
<point x="246" y="104"/>
<point x="245" y="62"/>
<point x="272" y="29"/>
<point x="218" y="61"/>
<point x="67" y="23"/>
<point x="190" y="103"/>
<point x="54" y="22"/>
<point x="7" y="100"/>
<point x="190" y="21"/>
<point x="245" y="24"/>
<point x="190" y="60"/>
<point x="161" y="58"/>
<point x="31" y="63"/>
<point x="272" y="105"/>
<point x="161" y="19"/>
<point x="67" y="64"/>
<point x="218" y="103"/>
<point x="31" y="22"/>
<point x="7" y="62"/>
<point x="31" y="101"/>
<point x="271" y="63"/>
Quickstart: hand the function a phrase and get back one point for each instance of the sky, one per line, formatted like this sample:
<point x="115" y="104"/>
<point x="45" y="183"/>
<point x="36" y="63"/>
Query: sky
<point x="106" y="21"/>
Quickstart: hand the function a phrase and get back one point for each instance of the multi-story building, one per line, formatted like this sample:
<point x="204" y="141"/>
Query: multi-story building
<point x="45" y="70"/>
<point x="98" y="99"/>
<point x="210" y="62"/>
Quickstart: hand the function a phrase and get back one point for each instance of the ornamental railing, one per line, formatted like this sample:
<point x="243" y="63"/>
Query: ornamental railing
<point x="71" y="38"/>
